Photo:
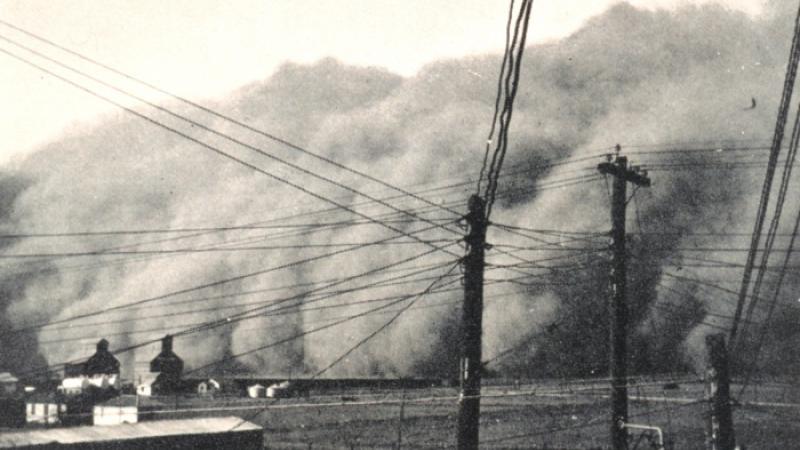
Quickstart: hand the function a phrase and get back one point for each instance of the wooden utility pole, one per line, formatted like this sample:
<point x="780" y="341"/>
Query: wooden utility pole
<point x="618" y="305"/>
<point x="469" y="402"/>
<point x="718" y="392"/>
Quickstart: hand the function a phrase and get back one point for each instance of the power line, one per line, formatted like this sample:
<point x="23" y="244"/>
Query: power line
<point x="215" y="132"/>
<point x="510" y="92"/>
<point x="313" y="330"/>
<point x="305" y="298"/>
<point x="498" y="96"/>
<point x="170" y="328"/>
<point x="199" y="287"/>
<point x="777" y="139"/>
<point x="773" y="228"/>
<point x="210" y="250"/>
<point x="239" y="317"/>
<point x="379" y="329"/>
<point x="224" y="117"/>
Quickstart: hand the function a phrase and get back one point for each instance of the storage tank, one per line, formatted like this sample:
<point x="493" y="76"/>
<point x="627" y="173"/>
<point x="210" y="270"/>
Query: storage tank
<point x="256" y="391"/>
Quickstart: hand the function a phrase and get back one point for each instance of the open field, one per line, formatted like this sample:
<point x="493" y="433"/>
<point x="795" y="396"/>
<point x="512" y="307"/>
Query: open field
<point x="552" y="416"/>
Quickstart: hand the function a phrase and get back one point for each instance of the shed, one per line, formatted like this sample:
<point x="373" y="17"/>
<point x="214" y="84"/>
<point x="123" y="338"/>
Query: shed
<point x="194" y="434"/>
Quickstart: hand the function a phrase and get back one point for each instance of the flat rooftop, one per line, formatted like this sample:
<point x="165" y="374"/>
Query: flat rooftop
<point x="154" y="429"/>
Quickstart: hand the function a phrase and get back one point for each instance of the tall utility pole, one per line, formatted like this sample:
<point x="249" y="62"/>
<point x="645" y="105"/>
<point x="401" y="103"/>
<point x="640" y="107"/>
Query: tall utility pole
<point x="469" y="402"/>
<point x="618" y="305"/>
<point x="718" y="391"/>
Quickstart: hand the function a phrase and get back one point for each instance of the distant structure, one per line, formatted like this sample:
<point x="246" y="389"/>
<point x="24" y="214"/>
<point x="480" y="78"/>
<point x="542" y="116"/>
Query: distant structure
<point x="102" y="362"/>
<point x="100" y="372"/>
<point x="169" y="368"/>
<point x="116" y="411"/>
<point x="83" y="386"/>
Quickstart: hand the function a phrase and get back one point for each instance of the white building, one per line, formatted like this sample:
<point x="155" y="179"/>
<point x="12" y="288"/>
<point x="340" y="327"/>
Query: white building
<point x="44" y="412"/>
<point x="78" y="385"/>
<point x="124" y="409"/>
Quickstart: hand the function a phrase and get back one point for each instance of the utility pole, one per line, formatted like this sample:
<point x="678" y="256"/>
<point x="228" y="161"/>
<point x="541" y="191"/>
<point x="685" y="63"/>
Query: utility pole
<point x="618" y="305"/>
<point x="718" y="392"/>
<point x="469" y="402"/>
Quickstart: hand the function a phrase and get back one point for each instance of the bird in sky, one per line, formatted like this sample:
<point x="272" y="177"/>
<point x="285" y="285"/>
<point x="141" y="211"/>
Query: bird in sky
<point x="752" y="104"/>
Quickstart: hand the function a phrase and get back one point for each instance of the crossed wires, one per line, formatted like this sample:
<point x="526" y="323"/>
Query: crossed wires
<point x="508" y="84"/>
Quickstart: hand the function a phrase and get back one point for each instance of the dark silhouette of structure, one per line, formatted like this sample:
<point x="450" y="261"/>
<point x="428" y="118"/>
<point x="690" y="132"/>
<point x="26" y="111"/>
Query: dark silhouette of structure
<point x="169" y="368"/>
<point x="102" y="362"/>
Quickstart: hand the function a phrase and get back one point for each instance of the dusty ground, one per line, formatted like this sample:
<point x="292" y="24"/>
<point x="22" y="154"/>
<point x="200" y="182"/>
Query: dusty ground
<point x="529" y="416"/>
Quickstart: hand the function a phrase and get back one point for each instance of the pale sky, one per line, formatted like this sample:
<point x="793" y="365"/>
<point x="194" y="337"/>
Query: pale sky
<point x="204" y="48"/>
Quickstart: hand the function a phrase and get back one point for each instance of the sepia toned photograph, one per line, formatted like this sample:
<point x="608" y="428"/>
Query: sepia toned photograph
<point x="418" y="224"/>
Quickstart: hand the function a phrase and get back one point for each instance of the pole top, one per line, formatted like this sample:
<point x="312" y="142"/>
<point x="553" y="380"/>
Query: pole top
<point x="476" y="203"/>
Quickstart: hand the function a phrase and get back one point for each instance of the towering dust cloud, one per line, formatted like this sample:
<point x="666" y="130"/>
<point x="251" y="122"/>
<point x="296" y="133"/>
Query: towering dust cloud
<point x="633" y="77"/>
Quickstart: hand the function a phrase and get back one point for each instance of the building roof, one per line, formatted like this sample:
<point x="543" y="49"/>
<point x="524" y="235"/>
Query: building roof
<point x="207" y="425"/>
<point x="6" y="377"/>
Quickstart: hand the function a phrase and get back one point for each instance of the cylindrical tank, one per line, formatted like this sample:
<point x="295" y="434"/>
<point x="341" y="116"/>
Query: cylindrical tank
<point x="257" y="391"/>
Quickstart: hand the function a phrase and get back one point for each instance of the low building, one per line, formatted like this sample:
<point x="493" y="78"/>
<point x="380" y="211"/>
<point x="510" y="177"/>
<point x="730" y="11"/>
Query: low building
<point x="123" y="409"/>
<point x="61" y="409"/>
<point x="195" y="434"/>
<point x="44" y="411"/>
<point x="135" y="409"/>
